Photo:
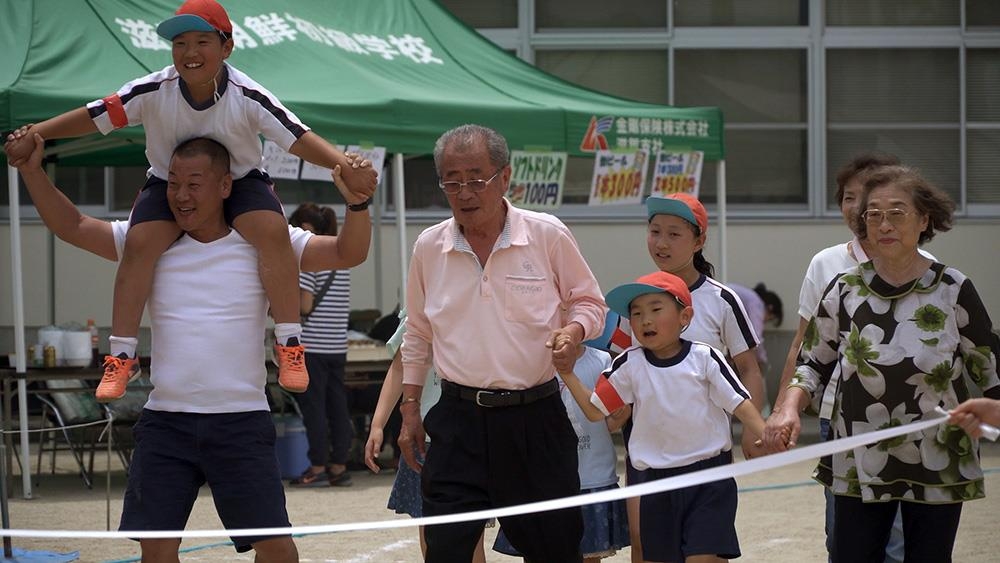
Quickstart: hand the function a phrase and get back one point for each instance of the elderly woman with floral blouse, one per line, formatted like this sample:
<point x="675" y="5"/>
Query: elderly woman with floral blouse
<point x="903" y="331"/>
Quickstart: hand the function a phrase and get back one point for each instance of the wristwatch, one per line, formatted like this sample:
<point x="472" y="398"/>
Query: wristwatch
<point x="359" y="206"/>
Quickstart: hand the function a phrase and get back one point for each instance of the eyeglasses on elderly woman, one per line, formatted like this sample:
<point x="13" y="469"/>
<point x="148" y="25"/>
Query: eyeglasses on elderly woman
<point x="895" y="216"/>
<point x="453" y="187"/>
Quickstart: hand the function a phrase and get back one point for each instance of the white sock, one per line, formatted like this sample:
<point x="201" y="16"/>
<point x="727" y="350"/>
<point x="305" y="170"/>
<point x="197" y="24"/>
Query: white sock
<point x="285" y="331"/>
<point x="123" y="345"/>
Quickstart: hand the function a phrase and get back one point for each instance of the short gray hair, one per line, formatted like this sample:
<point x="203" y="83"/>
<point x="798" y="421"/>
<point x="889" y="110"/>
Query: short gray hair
<point x="465" y="136"/>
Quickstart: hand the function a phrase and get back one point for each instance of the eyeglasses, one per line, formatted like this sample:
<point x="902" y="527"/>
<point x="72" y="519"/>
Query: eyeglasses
<point x="453" y="187"/>
<point x="895" y="216"/>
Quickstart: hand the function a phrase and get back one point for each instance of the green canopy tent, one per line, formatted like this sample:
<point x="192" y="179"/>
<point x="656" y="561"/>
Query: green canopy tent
<point x="393" y="73"/>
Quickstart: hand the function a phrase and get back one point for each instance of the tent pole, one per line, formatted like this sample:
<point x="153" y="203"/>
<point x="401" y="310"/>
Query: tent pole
<point x="399" y="197"/>
<point x="379" y="205"/>
<point x="721" y="191"/>
<point x="17" y="304"/>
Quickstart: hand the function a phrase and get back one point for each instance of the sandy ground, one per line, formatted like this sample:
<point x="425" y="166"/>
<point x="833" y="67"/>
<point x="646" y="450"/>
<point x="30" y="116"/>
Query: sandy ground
<point x="780" y="519"/>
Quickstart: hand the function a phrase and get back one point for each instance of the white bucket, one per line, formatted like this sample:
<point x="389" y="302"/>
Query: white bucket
<point x="76" y="349"/>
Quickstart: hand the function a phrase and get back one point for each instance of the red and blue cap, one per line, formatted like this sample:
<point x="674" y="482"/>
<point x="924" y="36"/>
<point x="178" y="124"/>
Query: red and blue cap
<point x="621" y="297"/>
<point x="196" y="15"/>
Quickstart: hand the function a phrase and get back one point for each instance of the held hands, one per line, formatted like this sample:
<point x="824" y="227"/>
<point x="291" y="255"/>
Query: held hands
<point x="564" y="350"/>
<point x="33" y="144"/>
<point x="360" y="179"/>
<point x="19" y="146"/>
<point x="781" y="430"/>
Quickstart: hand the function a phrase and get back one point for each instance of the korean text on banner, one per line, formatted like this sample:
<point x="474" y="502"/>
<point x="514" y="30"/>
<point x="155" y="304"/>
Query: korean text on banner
<point x="537" y="179"/>
<point x="677" y="172"/>
<point x="619" y="177"/>
<point x="280" y="164"/>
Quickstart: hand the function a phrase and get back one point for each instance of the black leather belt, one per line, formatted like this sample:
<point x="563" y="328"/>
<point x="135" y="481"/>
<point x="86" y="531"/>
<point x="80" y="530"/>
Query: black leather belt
<point x="500" y="397"/>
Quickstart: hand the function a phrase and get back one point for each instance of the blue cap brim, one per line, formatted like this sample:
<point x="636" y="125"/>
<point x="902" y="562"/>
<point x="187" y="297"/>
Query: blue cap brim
<point x="172" y="27"/>
<point x="603" y="342"/>
<point x="668" y="206"/>
<point x="619" y="298"/>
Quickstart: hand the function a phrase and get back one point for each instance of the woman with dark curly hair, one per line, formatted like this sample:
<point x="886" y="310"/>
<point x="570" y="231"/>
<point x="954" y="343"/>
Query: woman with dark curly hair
<point x="903" y="331"/>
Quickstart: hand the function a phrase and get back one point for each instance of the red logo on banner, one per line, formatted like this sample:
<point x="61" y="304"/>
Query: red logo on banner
<point x="593" y="139"/>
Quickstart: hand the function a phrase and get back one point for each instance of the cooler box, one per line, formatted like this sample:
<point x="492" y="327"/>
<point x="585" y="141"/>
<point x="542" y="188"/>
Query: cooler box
<point x="291" y="445"/>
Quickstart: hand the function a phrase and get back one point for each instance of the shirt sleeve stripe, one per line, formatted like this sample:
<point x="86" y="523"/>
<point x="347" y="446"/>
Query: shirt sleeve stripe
<point x="729" y="374"/>
<point x="740" y="314"/>
<point x="605" y="396"/>
<point x="294" y="127"/>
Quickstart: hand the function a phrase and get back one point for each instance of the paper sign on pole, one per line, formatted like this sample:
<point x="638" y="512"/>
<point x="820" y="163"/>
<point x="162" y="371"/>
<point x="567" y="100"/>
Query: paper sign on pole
<point x="536" y="179"/>
<point x="280" y="164"/>
<point x="376" y="155"/>
<point x="619" y="177"/>
<point x="677" y="172"/>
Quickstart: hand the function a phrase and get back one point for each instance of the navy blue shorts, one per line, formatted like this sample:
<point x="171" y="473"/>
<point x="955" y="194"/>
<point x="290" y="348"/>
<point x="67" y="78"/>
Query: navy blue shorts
<point x="176" y="453"/>
<point x="253" y="192"/>
<point x="699" y="520"/>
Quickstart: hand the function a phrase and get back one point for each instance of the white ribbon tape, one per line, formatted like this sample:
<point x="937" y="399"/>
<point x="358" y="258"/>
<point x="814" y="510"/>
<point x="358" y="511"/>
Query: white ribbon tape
<point x="680" y="481"/>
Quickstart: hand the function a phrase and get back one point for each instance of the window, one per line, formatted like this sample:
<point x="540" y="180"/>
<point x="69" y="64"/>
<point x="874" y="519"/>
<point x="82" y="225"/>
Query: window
<point x="496" y="13"/>
<point x="892" y="13"/>
<point x="762" y="93"/>
<point x="632" y="74"/>
<point x="983" y="133"/>
<point x="901" y="101"/>
<point x="982" y="14"/>
<point x="720" y="13"/>
<point x="600" y="14"/>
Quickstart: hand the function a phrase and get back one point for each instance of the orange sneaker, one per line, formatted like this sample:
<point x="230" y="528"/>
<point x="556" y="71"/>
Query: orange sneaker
<point x="291" y="360"/>
<point x="118" y="372"/>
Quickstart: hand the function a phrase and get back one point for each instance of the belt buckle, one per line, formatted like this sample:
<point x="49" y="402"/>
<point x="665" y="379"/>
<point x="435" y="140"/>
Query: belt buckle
<point x="479" y="394"/>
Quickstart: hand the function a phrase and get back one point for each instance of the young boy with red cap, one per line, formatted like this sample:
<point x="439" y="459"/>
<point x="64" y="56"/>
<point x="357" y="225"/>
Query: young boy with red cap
<point x="200" y="95"/>
<point x="682" y="394"/>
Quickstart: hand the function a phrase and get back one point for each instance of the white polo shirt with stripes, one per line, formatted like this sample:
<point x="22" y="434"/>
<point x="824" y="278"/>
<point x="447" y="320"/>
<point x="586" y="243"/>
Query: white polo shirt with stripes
<point x="160" y="102"/>
<point x="681" y="406"/>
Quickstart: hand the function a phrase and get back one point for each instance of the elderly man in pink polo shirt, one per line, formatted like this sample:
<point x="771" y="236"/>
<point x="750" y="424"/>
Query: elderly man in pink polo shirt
<point x="495" y="294"/>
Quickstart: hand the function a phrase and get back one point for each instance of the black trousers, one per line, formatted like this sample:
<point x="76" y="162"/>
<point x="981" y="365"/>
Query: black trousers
<point x="861" y="530"/>
<point x="483" y="457"/>
<point x="324" y="409"/>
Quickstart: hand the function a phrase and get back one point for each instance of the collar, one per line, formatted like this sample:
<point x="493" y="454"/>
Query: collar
<point x="926" y="283"/>
<point x="512" y="234"/>
<point x="858" y="251"/>
<point x="221" y="83"/>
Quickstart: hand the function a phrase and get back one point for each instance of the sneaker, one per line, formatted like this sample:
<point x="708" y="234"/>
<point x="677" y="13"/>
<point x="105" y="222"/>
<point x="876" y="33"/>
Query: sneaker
<point x="291" y="360"/>
<point x="342" y="479"/>
<point x="310" y="479"/>
<point x="118" y="372"/>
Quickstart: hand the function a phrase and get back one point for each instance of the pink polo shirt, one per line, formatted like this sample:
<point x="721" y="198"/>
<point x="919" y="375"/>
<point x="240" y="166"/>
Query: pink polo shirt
<point x="487" y="326"/>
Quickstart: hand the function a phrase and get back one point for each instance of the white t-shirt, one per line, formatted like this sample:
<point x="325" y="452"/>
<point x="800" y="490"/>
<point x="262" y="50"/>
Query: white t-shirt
<point x="208" y="311"/>
<point x="598" y="459"/>
<point x="681" y="405"/>
<point x="245" y="110"/>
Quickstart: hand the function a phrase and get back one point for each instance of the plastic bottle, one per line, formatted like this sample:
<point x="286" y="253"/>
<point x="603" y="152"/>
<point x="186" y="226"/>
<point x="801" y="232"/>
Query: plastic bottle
<point x="95" y="339"/>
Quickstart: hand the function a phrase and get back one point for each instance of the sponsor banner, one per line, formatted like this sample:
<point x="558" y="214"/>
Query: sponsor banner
<point x="537" y="179"/>
<point x="677" y="172"/>
<point x="619" y="177"/>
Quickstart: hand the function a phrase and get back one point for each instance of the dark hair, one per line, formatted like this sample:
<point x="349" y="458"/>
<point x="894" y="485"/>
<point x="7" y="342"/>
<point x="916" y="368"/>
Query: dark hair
<point x="216" y="151"/>
<point x="466" y="136"/>
<point x="863" y="162"/>
<point x="702" y="265"/>
<point x="771" y="302"/>
<point x="928" y="199"/>
<point x="323" y="218"/>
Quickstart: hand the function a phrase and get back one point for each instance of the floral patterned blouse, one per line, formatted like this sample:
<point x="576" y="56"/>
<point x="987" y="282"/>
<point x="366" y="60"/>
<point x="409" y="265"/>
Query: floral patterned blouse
<point x="894" y="354"/>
